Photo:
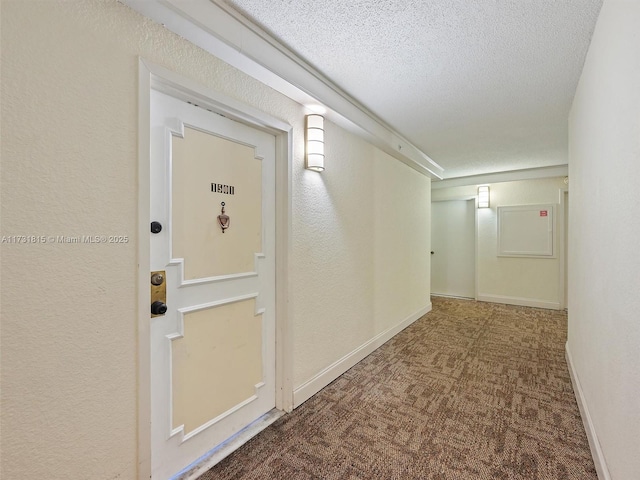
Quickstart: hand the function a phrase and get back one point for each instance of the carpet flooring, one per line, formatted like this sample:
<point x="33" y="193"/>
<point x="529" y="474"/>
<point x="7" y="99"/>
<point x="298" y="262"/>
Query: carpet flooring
<point x="471" y="390"/>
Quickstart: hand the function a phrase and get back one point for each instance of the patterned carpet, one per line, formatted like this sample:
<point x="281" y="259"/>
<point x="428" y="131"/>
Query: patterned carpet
<point x="470" y="391"/>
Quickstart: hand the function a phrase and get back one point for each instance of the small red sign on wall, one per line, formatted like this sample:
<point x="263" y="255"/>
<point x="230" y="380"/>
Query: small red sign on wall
<point x="543" y="213"/>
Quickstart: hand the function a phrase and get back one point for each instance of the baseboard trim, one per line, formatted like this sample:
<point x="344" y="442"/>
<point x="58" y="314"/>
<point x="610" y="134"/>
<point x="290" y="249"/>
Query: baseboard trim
<point x="523" y="302"/>
<point x="442" y="295"/>
<point x="333" y="371"/>
<point x="596" y="451"/>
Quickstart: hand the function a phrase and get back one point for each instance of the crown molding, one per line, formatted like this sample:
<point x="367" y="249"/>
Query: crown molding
<point x="226" y="34"/>
<point x="508" y="176"/>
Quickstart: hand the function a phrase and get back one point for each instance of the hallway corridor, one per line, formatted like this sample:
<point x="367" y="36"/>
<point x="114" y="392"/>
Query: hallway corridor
<point x="469" y="391"/>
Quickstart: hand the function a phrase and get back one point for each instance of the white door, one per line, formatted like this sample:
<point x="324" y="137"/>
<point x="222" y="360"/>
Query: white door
<point x="453" y="248"/>
<point x="213" y="350"/>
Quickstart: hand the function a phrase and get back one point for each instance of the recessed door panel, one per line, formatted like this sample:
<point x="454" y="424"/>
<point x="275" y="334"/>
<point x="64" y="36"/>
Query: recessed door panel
<point x="203" y="395"/>
<point x="200" y="184"/>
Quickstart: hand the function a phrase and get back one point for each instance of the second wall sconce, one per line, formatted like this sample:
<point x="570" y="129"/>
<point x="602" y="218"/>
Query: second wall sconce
<point x="314" y="140"/>
<point x="483" y="197"/>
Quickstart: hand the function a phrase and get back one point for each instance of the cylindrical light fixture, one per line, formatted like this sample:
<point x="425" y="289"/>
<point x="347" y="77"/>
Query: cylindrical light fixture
<point x="314" y="139"/>
<point x="483" y="197"/>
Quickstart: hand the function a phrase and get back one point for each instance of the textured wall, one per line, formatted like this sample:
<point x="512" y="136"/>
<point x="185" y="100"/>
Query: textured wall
<point x="604" y="226"/>
<point x="533" y="279"/>
<point x="335" y="233"/>
<point x="362" y="250"/>
<point x="69" y="167"/>
<point x="402" y="239"/>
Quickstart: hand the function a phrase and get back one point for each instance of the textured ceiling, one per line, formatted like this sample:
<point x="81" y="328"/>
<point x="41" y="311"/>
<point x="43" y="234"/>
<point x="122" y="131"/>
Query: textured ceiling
<point x="478" y="85"/>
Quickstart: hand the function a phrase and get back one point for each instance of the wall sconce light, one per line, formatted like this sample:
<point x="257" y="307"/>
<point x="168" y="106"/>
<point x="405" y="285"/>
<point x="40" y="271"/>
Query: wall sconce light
<point x="483" y="197"/>
<point x="314" y="139"/>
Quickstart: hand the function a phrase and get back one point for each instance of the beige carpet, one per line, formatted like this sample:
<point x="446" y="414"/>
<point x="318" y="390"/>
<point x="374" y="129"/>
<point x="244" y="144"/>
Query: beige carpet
<point x="470" y="391"/>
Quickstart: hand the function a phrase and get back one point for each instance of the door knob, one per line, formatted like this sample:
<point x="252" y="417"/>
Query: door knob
<point x="432" y="252"/>
<point x="158" y="308"/>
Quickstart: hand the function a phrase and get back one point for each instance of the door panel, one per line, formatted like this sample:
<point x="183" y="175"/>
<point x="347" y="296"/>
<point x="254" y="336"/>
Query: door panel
<point x="213" y="351"/>
<point x="453" y="247"/>
<point x="195" y="202"/>
<point x="197" y="396"/>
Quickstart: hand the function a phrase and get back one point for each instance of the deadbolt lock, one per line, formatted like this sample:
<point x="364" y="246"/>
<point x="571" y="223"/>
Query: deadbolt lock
<point x="158" y="293"/>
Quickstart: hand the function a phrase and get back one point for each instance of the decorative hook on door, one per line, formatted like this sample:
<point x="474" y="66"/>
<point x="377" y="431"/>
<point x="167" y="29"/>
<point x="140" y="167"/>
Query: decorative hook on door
<point x="223" y="219"/>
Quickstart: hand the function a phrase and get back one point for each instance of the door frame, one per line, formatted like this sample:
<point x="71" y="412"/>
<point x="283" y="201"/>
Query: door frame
<point x="475" y="233"/>
<point x="153" y="76"/>
<point x="563" y="193"/>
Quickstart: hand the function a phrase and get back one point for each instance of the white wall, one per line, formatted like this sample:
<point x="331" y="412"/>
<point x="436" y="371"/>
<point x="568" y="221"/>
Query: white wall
<point x="518" y="281"/>
<point x="362" y="255"/>
<point x="604" y="221"/>
<point x="402" y="239"/>
<point x="69" y="167"/>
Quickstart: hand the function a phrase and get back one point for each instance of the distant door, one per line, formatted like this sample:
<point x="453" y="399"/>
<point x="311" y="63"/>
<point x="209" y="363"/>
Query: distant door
<point x="453" y="246"/>
<point x="213" y="341"/>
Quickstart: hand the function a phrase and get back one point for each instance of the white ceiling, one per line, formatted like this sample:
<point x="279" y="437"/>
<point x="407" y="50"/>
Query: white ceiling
<point x="480" y="86"/>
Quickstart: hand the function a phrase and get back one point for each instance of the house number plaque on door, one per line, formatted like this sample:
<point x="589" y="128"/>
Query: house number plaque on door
<point x="220" y="188"/>
<point x="223" y="219"/>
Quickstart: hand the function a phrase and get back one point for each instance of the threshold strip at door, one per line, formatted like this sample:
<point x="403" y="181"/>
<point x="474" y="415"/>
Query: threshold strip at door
<point x="226" y="448"/>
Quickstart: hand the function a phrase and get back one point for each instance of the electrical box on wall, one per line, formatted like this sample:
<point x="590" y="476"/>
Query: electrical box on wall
<point x="526" y="231"/>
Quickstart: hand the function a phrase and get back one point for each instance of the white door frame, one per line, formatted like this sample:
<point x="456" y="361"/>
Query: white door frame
<point x="152" y="76"/>
<point x="475" y="233"/>
<point x="562" y="246"/>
